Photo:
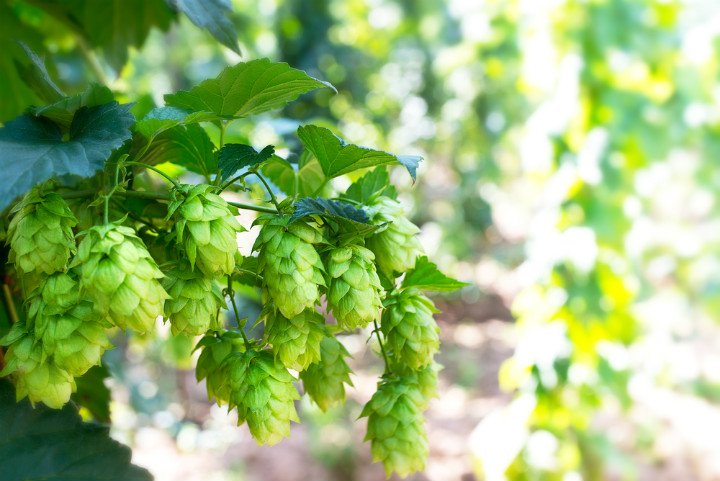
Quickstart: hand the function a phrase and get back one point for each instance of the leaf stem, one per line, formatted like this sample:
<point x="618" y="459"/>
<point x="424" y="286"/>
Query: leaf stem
<point x="231" y="294"/>
<point x="382" y="346"/>
<point x="269" y="190"/>
<point x="167" y="177"/>
<point x="12" y="312"/>
<point x="235" y="179"/>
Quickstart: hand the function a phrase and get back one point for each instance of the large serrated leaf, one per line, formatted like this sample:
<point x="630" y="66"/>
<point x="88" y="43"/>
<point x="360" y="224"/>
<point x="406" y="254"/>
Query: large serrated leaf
<point x="212" y="16"/>
<point x="160" y="119"/>
<point x="185" y="145"/>
<point x="62" y="111"/>
<point x="426" y="276"/>
<point x="328" y="208"/>
<point x="55" y="445"/>
<point x="337" y="157"/>
<point x="369" y="186"/>
<point x="233" y="157"/>
<point x="33" y="150"/>
<point x="246" y="89"/>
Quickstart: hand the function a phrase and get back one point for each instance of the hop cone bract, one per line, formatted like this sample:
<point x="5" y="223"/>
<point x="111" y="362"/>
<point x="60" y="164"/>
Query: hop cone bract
<point x="262" y="391"/>
<point x="295" y="341"/>
<point x="120" y="277"/>
<point x="396" y="247"/>
<point x="324" y="381"/>
<point x="40" y="234"/>
<point x="396" y="426"/>
<point x="410" y="331"/>
<point x="206" y="229"/>
<point x="354" y="289"/>
<point x="215" y="349"/>
<point x="291" y="266"/>
<point x="194" y="301"/>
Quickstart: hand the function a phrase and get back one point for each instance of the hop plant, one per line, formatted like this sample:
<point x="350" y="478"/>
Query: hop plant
<point x="397" y="246"/>
<point x="396" y="426"/>
<point x="354" y="292"/>
<point x="425" y="380"/>
<point x="324" y="381"/>
<point x="292" y="269"/>
<point x="215" y="349"/>
<point x="194" y="301"/>
<point x="262" y="390"/>
<point x="205" y="228"/>
<point x="295" y="341"/>
<point x="120" y="277"/>
<point x="36" y="377"/>
<point x="410" y="331"/>
<point x="40" y="235"/>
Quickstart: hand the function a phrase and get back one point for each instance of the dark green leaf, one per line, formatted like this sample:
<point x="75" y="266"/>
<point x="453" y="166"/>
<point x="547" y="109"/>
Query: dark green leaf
<point x="426" y="276"/>
<point x="92" y="393"/>
<point x="247" y="273"/>
<point x="246" y="89"/>
<point x="37" y="77"/>
<point x="337" y="157"/>
<point x="328" y="208"/>
<point x="160" y="119"/>
<point x="63" y="111"/>
<point x="32" y="149"/>
<point x="369" y="186"/>
<point x="55" y="445"/>
<point x="212" y="16"/>
<point x="185" y="145"/>
<point x="233" y="157"/>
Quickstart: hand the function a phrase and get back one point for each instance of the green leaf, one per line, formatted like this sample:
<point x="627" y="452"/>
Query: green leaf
<point x="212" y="16"/>
<point x="92" y="393"/>
<point x="426" y="276"/>
<point x="337" y="157"/>
<point x="63" y="111"/>
<point x="246" y="89"/>
<point x="244" y="272"/>
<point x="371" y="185"/>
<point x="185" y="145"/>
<point x="160" y="119"/>
<point x="307" y="181"/>
<point x="55" y="445"/>
<point x="37" y="77"/>
<point x="233" y="157"/>
<point x="328" y="208"/>
<point x="33" y="150"/>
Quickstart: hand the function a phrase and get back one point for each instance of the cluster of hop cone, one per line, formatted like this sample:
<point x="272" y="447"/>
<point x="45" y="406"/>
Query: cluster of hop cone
<point x="75" y="292"/>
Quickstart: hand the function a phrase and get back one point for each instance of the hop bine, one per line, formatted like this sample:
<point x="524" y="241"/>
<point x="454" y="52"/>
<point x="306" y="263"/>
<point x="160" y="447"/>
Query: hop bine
<point x="324" y="381"/>
<point x="120" y="277"/>
<point x="397" y="246"/>
<point x="295" y="341"/>
<point x="40" y="234"/>
<point x="410" y="331"/>
<point x="292" y="269"/>
<point x="205" y="228"/>
<point x="354" y="292"/>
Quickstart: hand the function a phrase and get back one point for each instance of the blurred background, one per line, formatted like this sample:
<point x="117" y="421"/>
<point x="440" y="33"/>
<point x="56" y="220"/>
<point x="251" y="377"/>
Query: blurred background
<point x="570" y="176"/>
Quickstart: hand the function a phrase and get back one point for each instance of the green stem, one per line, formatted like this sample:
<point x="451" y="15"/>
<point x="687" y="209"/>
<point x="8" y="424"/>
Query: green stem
<point x="167" y="177"/>
<point x="12" y="312"/>
<point x="233" y="180"/>
<point x="231" y="293"/>
<point x="249" y="272"/>
<point x="269" y="190"/>
<point x="382" y="346"/>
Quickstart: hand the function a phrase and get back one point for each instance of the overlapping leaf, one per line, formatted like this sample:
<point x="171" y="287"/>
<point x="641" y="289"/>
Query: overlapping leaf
<point x="233" y="157"/>
<point x="212" y="16"/>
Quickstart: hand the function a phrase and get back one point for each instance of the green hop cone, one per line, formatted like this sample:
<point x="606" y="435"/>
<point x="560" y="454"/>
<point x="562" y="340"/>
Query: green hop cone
<point x="295" y="341"/>
<point x="36" y="376"/>
<point x="262" y="390"/>
<point x="410" y="331"/>
<point x="120" y="277"/>
<point x="425" y="381"/>
<point x="397" y="246"/>
<point x="396" y="426"/>
<point x="292" y="269"/>
<point x="205" y="228"/>
<point x="354" y="292"/>
<point x="215" y="349"/>
<point x="324" y="381"/>
<point x="40" y="234"/>
<point x="194" y="301"/>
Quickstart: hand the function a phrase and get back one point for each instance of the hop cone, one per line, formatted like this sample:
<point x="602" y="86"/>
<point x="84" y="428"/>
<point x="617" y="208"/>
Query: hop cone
<point x="396" y="247"/>
<point x="120" y="277"/>
<point x="40" y="234"/>
<point x="66" y="325"/>
<point x="295" y="341"/>
<point x="354" y="288"/>
<point x="262" y="391"/>
<point x="395" y="427"/>
<point x="324" y="381"/>
<point x="215" y="349"/>
<point x="410" y="331"/>
<point x="193" y="303"/>
<point x="206" y="229"/>
<point x="425" y="381"/>
<point x="36" y="377"/>
<point x="290" y="264"/>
